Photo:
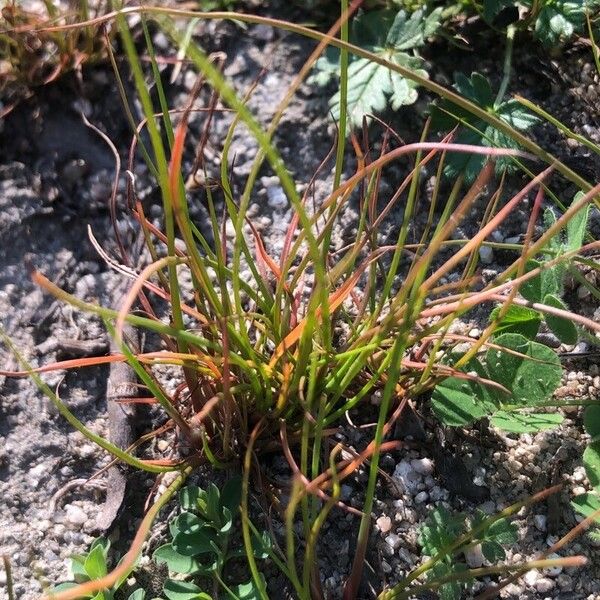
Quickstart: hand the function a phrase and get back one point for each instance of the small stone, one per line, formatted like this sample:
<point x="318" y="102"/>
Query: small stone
<point x="423" y="466"/>
<point x="384" y="524"/>
<point x="531" y="577"/>
<point x="406" y="475"/>
<point x="544" y="585"/>
<point x="486" y="255"/>
<point x="553" y="571"/>
<point x="75" y="515"/>
<point x="421" y="497"/>
<point x="474" y="557"/>
<point x="162" y="445"/>
<point x="540" y="522"/>
<point x="386" y="567"/>
<point x="474" y="333"/>
<point x="489" y="507"/>
<point x="393" y="541"/>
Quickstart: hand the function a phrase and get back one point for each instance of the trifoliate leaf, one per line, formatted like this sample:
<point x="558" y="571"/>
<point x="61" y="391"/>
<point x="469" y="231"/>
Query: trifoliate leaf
<point x="459" y="402"/>
<point x="531" y="371"/>
<point x="564" y="329"/>
<point x="446" y="115"/>
<point x="519" y="422"/>
<point x="440" y="529"/>
<point x="518" y="319"/>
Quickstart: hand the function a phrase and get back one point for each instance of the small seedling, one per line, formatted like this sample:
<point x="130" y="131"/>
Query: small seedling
<point x="439" y="535"/>
<point x="94" y="565"/>
<point x="202" y="536"/>
<point x="552" y="21"/>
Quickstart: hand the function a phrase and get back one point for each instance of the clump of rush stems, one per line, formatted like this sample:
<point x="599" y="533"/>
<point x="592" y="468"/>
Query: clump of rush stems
<point x="31" y="55"/>
<point x="262" y="369"/>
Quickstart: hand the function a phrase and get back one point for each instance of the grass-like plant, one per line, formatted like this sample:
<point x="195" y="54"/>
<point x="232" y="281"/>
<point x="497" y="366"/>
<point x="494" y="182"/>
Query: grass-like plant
<point x="263" y="365"/>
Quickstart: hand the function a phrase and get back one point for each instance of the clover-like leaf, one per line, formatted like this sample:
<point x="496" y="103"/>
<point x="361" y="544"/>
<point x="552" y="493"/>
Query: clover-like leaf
<point x="459" y="402"/>
<point x="474" y="131"/>
<point x="531" y="371"/>
<point x="518" y="319"/>
<point x="525" y="422"/>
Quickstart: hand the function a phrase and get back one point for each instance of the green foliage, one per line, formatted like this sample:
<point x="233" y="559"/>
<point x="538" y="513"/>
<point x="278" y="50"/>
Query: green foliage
<point x="552" y="21"/>
<point x="439" y="534"/>
<point x="547" y="287"/>
<point x="529" y="371"/>
<point x="472" y="130"/>
<point x="587" y="504"/>
<point x="372" y="87"/>
<point x="94" y="565"/>
<point x="201" y="540"/>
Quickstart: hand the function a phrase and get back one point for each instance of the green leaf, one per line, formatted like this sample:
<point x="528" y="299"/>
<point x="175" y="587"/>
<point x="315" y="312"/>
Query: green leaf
<point x="409" y="33"/>
<point x="189" y="496"/>
<point x="187" y="522"/>
<point x="531" y="378"/>
<point x="459" y="402"/>
<point x="446" y="115"/>
<point x="440" y="529"/>
<point x="591" y="421"/>
<point x="249" y="590"/>
<point x="587" y="504"/>
<point x="492" y="8"/>
<point x="564" y="329"/>
<point x="492" y="551"/>
<point x="577" y="226"/>
<point x="503" y="532"/>
<point x="183" y="590"/>
<point x="177" y="563"/>
<point x="78" y="568"/>
<point x="137" y="595"/>
<point x="591" y="462"/>
<point x="518" y="319"/>
<point x="514" y="422"/>
<point x="371" y="87"/>
<point x="548" y="281"/>
<point x="231" y="494"/>
<point x="95" y="563"/>
<point x="558" y="20"/>
<point x="196" y="543"/>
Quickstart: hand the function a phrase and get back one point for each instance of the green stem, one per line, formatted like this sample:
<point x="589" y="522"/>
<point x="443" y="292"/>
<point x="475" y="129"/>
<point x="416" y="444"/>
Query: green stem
<point x="510" y="38"/>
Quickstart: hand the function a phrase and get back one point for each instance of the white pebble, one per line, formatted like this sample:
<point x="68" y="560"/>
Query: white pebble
<point x="486" y="255"/>
<point x="393" y="541"/>
<point x="421" y="497"/>
<point x="474" y="557"/>
<point x="544" y="585"/>
<point x="75" y="515"/>
<point x="423" y="466"/>
<point x="540" y="522"/>
<point x="384" y="524"/>
<point x="553" y="571"/>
